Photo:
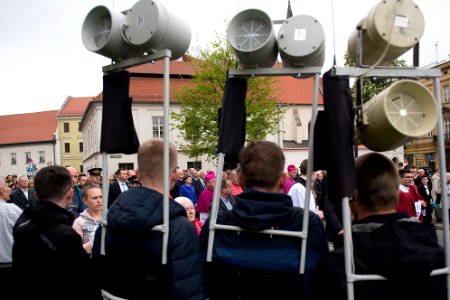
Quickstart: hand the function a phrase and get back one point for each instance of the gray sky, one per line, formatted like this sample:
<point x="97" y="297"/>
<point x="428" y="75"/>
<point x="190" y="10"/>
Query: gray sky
<point x="44" y="59"/>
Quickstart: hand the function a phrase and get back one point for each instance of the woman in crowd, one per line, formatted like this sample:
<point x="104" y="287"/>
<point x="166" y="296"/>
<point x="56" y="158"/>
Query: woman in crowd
<point x="89" y="220"/>
<point x="190" y="211"/>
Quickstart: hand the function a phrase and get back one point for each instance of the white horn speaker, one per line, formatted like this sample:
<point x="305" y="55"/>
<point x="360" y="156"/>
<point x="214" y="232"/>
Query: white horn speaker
<point x="403" y="111"/>
<point x="102" y="33"/>
<point x="301" y="42"/>
<point x="252" y="39"/>
<point x="151" y="27"/>
<point x="392" y="26"/>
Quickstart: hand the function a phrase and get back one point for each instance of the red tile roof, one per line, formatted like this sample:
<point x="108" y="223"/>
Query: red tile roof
<point x="292" y="90"/>
<point x="28" y="128"/>
<point x="74" y="106"/>
<point x="177" y="67"/>
<point x="298" y="91"/>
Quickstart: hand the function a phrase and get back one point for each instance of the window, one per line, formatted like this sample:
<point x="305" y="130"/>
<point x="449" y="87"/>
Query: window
<point x="66" y="147"/>
<point x="28" y="159"/>
<point x="13" y="159"/>
<point x="81" y="169"/>
<point x="158" y="127"/>
<point x="447" y="129"/>
<point x="80" y="146"/>
<point x="446" y="93"/>
<point x="66" y="127"/>
<point x="126" y="166"/>
<point x="79" y="126"/>
<point x="194" y="164"/>
<point x="41" y="157"/>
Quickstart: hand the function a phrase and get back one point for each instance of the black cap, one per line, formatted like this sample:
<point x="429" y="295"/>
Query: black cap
<point x="95" y="171"/>
<point x="133" y="180"/>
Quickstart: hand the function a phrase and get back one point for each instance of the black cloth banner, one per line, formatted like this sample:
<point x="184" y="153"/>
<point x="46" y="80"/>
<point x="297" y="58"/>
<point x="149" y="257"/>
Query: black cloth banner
<point x="118" y="133"/>
<point x="232" y="117"/>
<point x="333" y="140"/>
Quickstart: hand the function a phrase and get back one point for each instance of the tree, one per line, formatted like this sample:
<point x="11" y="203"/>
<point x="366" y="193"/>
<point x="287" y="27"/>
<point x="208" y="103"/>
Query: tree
<point x="372" y="86"/>
<point x="199" y="103"/>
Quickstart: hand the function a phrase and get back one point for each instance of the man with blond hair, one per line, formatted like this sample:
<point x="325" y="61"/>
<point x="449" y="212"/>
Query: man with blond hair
<point x="131" y="267"/>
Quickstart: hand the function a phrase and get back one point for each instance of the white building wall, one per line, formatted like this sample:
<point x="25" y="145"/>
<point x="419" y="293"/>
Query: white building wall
<point x="142" y="117"/>
<point x="20" y="168"/>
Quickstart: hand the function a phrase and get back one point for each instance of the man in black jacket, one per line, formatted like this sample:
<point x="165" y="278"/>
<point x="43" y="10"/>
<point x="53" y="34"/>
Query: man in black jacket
<point x="252" y="265"/>
<point x="385" y="242"/>
<point x="47" y="253"/>
<point x="23" y="196"/>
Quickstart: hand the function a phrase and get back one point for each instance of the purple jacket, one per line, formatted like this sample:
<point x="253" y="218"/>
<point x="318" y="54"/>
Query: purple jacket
<point x="204" y="200"/>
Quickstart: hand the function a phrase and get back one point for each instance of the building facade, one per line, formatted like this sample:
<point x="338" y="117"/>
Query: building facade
<point x="27" y="142"/>
<point x="68" y="135"/>
<point x="423" y="151"/>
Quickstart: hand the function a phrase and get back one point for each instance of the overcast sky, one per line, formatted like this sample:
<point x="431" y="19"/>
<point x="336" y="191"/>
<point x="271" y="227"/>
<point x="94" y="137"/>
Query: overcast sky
<point x="44" y="60"/>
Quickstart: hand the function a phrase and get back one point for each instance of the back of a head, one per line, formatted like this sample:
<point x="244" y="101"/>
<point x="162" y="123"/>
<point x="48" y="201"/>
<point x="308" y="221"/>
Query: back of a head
<point x="183" y="200"/>
<point x="150" y="158"/>
<point x="52" y="182"/>
<point x="377" y="181"/>
<point x="261" y="164"/>
<point x="304" y="166"/>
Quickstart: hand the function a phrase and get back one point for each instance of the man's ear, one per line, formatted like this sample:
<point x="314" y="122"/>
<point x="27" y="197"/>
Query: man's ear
<point x="281" y="182"/>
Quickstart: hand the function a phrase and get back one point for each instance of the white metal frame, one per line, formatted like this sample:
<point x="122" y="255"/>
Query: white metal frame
<point x="303" y="234"/>
<point x="402" y="73"/>
<point x="164" y="228"/>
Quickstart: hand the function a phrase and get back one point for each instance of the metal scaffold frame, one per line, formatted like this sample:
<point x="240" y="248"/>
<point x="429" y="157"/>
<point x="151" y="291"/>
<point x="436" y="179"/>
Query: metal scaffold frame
<point x="303" y="234"/>
<point x="398" y="73"/>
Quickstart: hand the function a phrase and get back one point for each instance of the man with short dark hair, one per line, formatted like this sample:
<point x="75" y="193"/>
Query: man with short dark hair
<point x="77" y="205"/>
<point x="46" y="243"/>
<point x="119" y="185"/>
<point x="252" y="265"/>
<point x="385" y="242"/>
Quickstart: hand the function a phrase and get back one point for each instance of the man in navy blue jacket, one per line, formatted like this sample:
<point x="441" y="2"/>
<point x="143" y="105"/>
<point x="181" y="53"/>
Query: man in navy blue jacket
<point x="131" y="267"/>
<point x="385" y="242"/>
<point x="250" y="265"/>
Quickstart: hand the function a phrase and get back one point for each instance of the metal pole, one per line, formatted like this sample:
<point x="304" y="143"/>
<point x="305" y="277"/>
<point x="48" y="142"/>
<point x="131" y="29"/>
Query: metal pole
<point x="309" y="172"/>
<point x="105" y="190"/>
<point x="215" y="207"/>
<point x="165" y="226"/>
<point x="442" y="171"/>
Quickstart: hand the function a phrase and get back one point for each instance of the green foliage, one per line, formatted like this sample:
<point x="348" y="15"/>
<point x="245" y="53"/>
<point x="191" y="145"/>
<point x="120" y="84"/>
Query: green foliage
<point x="199" y="103"/>
<point x="372" y="86"/>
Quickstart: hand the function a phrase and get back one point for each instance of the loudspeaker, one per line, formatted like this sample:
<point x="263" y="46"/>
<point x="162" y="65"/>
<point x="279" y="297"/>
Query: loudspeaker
<point x="102" y="33"/>
<point x="392" y="26"/>
<point x="301" y="42"/>
<point x="150" y="27"/>
<point x="252" y="39"/>
<point x="403" y="111"/>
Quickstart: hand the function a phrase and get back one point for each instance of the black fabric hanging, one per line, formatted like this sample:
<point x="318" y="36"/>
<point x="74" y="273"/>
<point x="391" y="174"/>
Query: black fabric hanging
<point x="321" y="142"/>
<point x="336" y="153"/>
<point x="232" y="120"/>
<point x="118" y="132"/>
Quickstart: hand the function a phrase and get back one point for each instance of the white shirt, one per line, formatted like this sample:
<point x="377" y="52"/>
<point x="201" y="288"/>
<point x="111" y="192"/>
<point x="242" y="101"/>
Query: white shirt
<point x="25" y="192"/>
<point x="227" y="203"/>
<point x="123" y="186"/>
<point x="297" y="193"/>
<point x="9" y="213"/>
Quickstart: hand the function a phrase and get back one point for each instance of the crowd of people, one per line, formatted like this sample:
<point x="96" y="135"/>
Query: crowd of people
<point x="53" y="234"/>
